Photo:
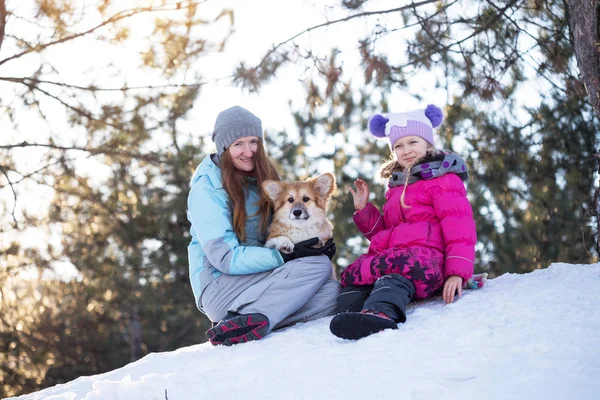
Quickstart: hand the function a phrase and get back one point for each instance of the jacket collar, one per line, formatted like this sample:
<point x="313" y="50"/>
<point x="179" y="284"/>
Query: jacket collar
<point x="209" y="167"/>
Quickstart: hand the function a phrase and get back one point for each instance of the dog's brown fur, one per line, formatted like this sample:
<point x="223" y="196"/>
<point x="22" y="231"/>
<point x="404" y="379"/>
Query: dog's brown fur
<point x="300" y="211"/>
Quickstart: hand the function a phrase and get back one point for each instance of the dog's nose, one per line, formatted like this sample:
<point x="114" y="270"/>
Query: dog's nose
<point x="297" y="213"/>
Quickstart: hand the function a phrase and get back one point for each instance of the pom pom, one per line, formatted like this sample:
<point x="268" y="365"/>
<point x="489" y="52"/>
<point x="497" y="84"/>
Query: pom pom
<point x="434" y="114"/>
<point x="377" y="125"/>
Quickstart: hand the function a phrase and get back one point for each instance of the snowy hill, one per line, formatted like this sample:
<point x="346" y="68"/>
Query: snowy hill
<point x="533" y="336"/>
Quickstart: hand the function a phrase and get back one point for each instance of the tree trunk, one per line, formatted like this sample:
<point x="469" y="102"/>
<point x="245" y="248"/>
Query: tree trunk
<point x="135" y="334"/>
<point x="3" y="17"/>
<point x="596" y="212"/>
<point x="583" y="20"/>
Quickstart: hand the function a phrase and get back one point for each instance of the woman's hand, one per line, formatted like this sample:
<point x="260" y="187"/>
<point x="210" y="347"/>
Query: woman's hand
<point x="306" y="249"/>
<point x="361" y="195"/>
<point x="452" y="284"/>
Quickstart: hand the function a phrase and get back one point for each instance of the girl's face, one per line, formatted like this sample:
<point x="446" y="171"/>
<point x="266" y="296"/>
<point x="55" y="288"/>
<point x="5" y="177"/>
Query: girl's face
<point x="409" y="149"/>
<point x="243" y="151"/>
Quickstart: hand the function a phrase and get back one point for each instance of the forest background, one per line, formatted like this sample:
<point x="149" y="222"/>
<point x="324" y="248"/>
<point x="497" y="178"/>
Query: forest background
<point x="107" y="109"/>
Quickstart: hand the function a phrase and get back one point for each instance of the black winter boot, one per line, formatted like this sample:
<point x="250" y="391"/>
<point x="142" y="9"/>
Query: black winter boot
<point x="383" y="309"/>
<point x="354" y="326"/>
<point x="352" y="298"/>
<point x="391" y="294"/>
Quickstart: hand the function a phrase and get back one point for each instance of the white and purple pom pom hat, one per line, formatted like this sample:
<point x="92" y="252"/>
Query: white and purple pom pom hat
<point x="413" y="123"/>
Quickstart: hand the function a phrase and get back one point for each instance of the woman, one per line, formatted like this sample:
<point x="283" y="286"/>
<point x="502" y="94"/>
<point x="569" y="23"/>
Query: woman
<point x="250" y="289"/>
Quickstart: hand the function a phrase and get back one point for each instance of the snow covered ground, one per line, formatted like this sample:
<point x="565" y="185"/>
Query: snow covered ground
<point x="532" y="336"/>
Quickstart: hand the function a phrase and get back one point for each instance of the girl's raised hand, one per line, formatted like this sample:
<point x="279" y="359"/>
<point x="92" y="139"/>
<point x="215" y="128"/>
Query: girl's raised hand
<point x="361" y="195"/>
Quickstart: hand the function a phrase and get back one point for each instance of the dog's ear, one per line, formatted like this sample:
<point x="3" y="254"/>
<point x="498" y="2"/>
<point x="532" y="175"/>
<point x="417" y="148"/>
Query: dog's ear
<point x="324" y="184"/>
<point x="272" y="189"/>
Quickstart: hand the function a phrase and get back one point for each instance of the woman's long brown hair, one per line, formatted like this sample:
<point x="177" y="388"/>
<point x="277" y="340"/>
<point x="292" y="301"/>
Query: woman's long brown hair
<point x="236" y="186"/>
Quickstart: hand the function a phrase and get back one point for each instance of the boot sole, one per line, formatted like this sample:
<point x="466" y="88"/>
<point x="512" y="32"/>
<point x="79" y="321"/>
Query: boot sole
<point x="353" y="326"/>
<point x="240" y="329"/>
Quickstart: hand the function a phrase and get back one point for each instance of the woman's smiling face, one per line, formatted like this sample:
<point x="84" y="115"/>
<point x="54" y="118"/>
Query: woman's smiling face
<point x="242" y="153"/>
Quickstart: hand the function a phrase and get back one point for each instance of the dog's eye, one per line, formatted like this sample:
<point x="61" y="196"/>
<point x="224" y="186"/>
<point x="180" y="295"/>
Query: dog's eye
<point x="305" y="199"/>
<point x="291" y="199"/>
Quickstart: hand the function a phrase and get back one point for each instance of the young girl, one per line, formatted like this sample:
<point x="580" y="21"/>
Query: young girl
<point x="425" y="238"/>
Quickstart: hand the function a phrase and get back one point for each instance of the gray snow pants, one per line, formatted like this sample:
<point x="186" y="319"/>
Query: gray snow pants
<point x="303" y="289"/>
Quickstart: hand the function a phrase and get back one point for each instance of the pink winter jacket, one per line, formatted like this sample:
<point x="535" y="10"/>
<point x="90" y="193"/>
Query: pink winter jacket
<point x="439" y="217"/>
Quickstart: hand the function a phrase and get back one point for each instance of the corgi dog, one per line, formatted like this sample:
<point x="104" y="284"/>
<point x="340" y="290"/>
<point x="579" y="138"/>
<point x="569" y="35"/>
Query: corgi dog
<point x="300" y="211"/>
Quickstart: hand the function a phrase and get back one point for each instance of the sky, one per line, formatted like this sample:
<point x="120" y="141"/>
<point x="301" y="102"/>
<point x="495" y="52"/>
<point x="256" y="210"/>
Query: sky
<point x="531" y="336"/>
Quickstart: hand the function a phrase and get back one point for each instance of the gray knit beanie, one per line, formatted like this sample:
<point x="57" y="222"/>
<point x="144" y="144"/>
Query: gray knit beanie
<point x="234" y="123"/>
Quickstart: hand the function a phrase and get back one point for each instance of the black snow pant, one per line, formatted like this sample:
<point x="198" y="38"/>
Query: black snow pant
<point x="390" y="295"/>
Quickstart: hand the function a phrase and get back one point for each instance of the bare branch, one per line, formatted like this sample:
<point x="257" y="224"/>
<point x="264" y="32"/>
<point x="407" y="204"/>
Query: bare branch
<point x="15" y="223"/>
<point x="37" y="24"/>
<point x="348" y="18"/>
<point x="420" y="20"/>
<point x="79" y="111"/>
<point x="33" y="81"/>
<point x="150" y="157"/>
<point x="458" y="43"/>
<point x="116" y="17"/>
<point x="33" y="173"/>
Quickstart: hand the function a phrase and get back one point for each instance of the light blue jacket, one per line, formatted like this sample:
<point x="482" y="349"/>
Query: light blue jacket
<point x="215" y="249"/>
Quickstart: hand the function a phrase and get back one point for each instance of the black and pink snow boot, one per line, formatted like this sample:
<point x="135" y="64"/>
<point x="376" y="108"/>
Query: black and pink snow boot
<point x="238" y="328"/>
